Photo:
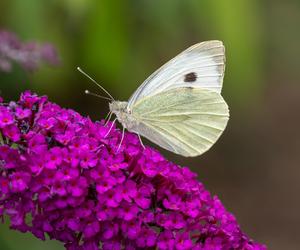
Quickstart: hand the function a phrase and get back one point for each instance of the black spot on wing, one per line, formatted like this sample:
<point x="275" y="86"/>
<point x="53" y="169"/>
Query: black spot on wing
<point x="190" y="77"/>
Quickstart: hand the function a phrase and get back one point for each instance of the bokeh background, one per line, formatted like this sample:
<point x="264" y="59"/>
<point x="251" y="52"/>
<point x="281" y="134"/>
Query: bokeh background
<point x="254" y="168"/>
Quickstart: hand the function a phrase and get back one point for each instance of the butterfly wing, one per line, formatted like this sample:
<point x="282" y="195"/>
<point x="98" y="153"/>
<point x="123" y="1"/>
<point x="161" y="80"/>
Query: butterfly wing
<point x="201" y="65"/>
<point x="186" y="121"/>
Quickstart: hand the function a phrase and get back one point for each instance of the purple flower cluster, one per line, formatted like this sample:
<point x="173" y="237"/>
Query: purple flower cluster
<point x="29" y="55"/>
<point x="61" y="176"/>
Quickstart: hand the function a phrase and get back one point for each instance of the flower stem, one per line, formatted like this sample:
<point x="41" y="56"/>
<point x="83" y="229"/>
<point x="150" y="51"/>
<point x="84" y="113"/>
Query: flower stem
<point x="1" y="139"/>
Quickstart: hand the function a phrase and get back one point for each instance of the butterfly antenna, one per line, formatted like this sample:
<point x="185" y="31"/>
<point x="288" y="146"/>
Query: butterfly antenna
<point x="82" y="72"/>
<point x="87" y="92"/>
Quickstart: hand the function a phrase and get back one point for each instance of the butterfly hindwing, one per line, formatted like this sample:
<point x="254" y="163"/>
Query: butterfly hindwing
<point x="186" y="121"/>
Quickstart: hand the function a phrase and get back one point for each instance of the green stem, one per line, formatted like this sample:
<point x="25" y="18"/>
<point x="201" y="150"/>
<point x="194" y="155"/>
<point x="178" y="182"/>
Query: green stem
<point x="1" y="139"/>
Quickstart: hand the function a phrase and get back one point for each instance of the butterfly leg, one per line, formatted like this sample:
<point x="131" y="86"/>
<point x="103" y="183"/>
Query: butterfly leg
<point x="113" y="123"/>
<point x="123" y="133"/>
<point x="141" y="141"/>
<point x="107" y="118"/>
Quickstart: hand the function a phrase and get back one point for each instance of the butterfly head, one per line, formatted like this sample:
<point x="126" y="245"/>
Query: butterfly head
<point x="120" y="109"/>
<point x="117" y="107"/>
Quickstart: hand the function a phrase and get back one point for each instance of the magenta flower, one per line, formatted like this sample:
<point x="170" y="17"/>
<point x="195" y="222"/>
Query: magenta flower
<point x="6" y="118"/>
<point x="128" y="190"/>
<point x="183" y="241"/>
<point x="143" y="197"/>
<point x="58" y="169"/>
<point x="147" y="238"/>
<point x="19" y="181"/>
<point x="128" y="211"/>
<point x="29" y="55"/>
<point x="53" y="158"/>
<point x="22" y="113"/>
<point x="166" y="240"/>
<point x="91" y="229"/>
<point x="131" y="229"/>
<point x="12" y="132"/>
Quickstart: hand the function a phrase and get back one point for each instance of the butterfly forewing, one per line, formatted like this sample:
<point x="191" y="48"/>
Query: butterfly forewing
<point x="201" y="65"/>
<point x="186" y="121"/>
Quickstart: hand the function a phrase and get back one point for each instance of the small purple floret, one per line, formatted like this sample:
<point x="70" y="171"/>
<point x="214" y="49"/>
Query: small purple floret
<point x="58" y="169"/>
<point x="29" y="55"/>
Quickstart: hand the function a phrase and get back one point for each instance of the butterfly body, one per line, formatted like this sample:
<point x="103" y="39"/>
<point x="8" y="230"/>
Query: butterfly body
<point x="123" y="114"/>
<point x="179" y="107"/>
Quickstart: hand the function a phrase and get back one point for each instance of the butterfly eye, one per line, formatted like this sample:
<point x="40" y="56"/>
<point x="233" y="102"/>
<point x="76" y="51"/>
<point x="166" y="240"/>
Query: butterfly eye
<point x="190" y="77"/>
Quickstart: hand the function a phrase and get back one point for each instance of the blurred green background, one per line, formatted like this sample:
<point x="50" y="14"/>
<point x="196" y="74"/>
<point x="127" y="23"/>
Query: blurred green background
<point x="254" y="167"/>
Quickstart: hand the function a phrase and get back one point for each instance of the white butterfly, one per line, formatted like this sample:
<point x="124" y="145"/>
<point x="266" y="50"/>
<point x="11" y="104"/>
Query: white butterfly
<point x="179" y="106"/>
